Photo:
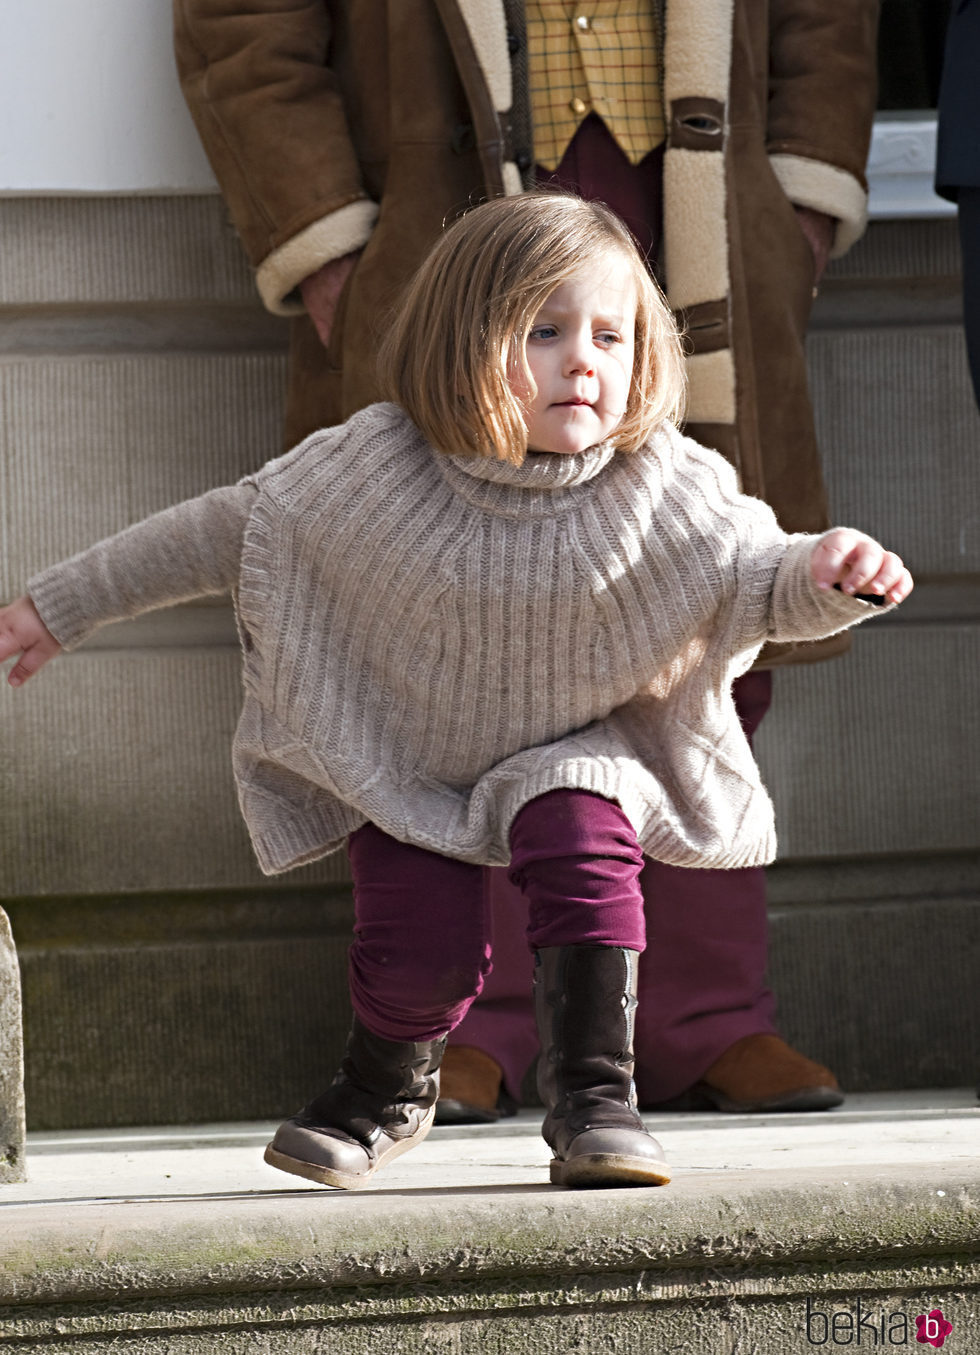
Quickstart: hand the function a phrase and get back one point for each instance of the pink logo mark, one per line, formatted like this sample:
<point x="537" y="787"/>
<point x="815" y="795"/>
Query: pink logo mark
<point x="933" y="1328"/>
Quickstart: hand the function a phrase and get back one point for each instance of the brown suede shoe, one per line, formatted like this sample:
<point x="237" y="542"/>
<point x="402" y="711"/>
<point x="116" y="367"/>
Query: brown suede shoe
<point x="760" y="1073"/>
<point x="470" y="1087"/>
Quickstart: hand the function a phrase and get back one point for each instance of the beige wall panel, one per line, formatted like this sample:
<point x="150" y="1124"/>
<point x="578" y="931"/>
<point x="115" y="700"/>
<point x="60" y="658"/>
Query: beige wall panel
<point x="900" y="436"/>
<point x="104" y="250"/>
<point x="119" y="249"/>
<point x="117" y="773"/>
<point x="91" y="444"/>
<point x="117" y="776"/>
<point x="877" y="752"/>
<point x="897" y="250"/>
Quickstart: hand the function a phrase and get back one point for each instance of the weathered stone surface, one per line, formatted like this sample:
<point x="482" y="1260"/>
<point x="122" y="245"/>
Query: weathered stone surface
<point x="117" y="769"/>
<point x="898" y="431"/>
<point x="897" y="251"/>
<point x="231" y="1005"/>
<point x="714" y="1264"/>
<point x="124" y="435"/>
<point x="182" y="1009"/>
<point x="885" y="995"/>
<point x="12" y="1163"/>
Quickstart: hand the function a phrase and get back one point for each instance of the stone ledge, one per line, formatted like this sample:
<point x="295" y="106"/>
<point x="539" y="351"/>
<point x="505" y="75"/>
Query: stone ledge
<point x="463" y="1246"/>
<point x="11" y="1061"/>
<point x="762" y="1230"/>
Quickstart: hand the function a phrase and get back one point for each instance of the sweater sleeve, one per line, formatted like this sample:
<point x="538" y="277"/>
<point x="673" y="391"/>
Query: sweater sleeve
<point x="774" y="595"/>
<point x="191" y="550"/>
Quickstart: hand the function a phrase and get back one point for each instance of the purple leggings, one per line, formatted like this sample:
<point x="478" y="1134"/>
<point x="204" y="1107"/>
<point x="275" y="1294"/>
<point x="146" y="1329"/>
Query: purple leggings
<point x="422" y="938"/>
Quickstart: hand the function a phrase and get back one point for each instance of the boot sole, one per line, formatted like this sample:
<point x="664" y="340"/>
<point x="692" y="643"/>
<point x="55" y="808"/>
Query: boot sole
<point x="451" y="1111"/>
<point x="807" y="1099"/>
<point x="702" y="1097"/>
<point x="330" y="1176"/>
<point x="594" y="1170"/>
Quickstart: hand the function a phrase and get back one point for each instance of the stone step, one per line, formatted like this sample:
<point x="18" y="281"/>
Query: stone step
<point x="776" y="1235"/>
<point x="136" y="1006"/>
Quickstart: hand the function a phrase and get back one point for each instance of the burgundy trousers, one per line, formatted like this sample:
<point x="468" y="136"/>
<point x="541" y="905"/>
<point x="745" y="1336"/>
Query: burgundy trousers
<point x="422" y="931"/>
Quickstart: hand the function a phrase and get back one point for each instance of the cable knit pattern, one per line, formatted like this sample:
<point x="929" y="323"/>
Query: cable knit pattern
<point x="430" y="641"/>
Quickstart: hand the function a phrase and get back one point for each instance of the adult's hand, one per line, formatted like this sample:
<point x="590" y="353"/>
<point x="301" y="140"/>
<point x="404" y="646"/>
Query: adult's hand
<point x="819" y="230"/>
<point x="321" y="292"/>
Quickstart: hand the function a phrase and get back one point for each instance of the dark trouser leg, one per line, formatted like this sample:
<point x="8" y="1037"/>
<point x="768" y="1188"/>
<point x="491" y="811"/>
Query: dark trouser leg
<point x="499" y="1026"/>
<point x="969" y="218"/>
<point x="705" y="1010"/>
<point x="703" y="979"/>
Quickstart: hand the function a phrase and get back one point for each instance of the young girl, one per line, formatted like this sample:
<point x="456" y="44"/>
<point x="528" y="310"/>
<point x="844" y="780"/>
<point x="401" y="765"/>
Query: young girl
<point x="495" y="621"/>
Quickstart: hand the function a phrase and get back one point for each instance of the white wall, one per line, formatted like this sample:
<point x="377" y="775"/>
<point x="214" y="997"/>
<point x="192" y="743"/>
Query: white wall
<point x="89" y="103"/>
<point x="89" y="100"/>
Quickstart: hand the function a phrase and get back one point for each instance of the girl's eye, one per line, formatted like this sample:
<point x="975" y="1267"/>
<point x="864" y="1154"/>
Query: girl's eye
<point x="608" y="337"/>
<point x="543" y="332"/>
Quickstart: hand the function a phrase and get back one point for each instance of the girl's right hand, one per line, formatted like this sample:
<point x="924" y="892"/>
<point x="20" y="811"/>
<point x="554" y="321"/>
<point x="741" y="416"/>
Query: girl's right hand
<point x="23" y="632"/>
<point x="857" y="563"/>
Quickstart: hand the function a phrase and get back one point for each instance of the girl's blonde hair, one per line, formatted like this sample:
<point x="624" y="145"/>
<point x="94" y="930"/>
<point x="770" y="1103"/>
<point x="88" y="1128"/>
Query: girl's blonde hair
<point x="464" y="319"/>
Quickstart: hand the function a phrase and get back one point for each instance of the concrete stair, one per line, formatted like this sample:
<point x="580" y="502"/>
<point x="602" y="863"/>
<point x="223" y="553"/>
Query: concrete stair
<point x="230" y="1004"/>
<point x="777" y="1234"/>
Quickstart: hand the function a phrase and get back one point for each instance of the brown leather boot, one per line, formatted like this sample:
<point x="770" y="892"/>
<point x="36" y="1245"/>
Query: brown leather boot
<point x="469" y="1087"/>
<point x="760" y="1074"/>
<point x="585" y="997"/>
<point x="380" y="1104"/>
<point x="763" y="1073"/>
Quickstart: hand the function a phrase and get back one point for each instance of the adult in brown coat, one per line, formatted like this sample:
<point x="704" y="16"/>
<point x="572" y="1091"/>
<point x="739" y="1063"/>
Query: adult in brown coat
<point x="344" y="133"/>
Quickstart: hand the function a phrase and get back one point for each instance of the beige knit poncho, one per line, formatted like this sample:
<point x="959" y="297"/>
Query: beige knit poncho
<point x="431" y="641"/>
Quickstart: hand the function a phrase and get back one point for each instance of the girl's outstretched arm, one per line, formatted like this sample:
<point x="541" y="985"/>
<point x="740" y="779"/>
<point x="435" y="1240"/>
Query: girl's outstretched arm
<point x="23" y="632"/>
<point x="189" y="551"/>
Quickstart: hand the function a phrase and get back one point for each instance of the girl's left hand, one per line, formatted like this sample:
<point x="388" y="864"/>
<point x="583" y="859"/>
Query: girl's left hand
<point x="860" y="565"/>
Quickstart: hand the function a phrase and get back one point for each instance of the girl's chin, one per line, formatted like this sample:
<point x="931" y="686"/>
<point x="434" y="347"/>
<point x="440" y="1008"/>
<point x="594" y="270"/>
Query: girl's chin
<point x="561" y="451"/>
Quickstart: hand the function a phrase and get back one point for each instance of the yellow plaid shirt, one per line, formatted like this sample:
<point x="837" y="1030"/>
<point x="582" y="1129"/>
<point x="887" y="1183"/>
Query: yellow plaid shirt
<point x="601" y="56"/>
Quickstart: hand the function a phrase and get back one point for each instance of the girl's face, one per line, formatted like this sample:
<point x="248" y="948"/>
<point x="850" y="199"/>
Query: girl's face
<point x="580" y="353"/>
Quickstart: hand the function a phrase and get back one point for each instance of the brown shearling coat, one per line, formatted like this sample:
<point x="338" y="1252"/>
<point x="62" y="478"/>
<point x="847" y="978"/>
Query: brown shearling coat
<point x="336" y="125"/>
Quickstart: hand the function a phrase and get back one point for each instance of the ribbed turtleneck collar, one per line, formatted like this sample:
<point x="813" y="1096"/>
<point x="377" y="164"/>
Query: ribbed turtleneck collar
<point x="539" y="470"/>
<point x="543" y="483"/>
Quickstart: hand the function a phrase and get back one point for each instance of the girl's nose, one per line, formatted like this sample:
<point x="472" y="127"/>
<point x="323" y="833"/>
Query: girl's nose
<point x="579" y="361"/>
